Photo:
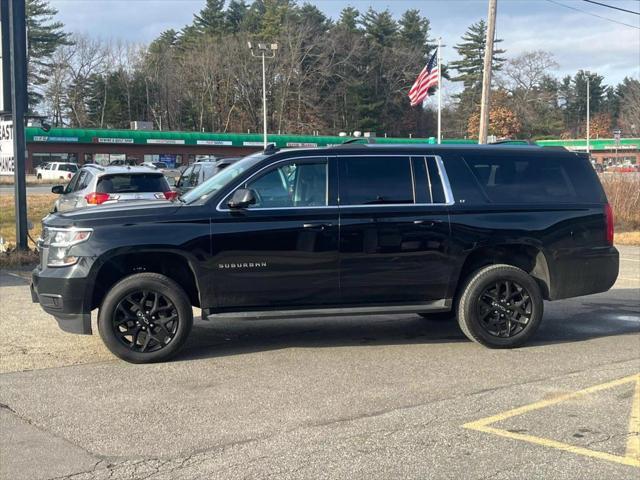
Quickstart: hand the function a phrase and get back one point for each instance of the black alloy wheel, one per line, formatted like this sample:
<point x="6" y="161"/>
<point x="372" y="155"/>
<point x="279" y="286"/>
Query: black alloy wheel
<point x="145" y="321"/>
<point x="504" y="309"/>
<point x="145" y="318"/>
<point x="500" y="306"/>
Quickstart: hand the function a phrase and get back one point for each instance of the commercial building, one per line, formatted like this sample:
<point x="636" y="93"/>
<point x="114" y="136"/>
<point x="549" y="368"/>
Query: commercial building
<point x="181" y="148"/>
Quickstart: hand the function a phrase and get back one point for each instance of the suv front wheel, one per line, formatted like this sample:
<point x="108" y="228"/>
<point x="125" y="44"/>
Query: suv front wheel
<point x="500" y="306"/>
<point x="145" y="318"/>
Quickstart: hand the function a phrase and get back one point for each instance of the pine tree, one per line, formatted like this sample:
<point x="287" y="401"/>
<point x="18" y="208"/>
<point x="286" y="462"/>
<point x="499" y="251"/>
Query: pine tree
<point x="414" y="32"/>
<point x="211" y="19"/>
<point x="349" y="19"/>
<point x="44" y="36"/>
<point x="380" y="27"/>
<point x="471" y="49"/>
<point x="235" y="15"/>
<point x="313" y="17"/>
<point x="573" y="92"/>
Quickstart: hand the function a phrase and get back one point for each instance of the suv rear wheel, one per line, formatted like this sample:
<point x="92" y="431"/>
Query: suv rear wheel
<point x="500" y="306"/>
<point x="145" y="318"/>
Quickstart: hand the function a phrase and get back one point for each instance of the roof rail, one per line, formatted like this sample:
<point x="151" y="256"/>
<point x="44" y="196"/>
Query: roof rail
<point x="514" y="142"/>
<point x="354" y="141"/>
<point x="93" y="165"/>
<point x="270" y="149"/>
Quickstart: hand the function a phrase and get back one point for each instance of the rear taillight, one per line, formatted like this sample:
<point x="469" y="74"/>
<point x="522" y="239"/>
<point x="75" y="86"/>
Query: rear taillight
<point x="608" y="213"/>
<point x="96" y="198"/>
<point x="170" y="195"/>
<point x="68" y="175"/>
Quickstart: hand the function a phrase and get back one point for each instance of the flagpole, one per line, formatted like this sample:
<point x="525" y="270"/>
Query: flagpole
<point x="439" y="91"/>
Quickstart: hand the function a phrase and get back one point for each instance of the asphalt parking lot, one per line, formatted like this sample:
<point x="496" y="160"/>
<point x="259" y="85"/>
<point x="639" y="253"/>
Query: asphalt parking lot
<point x="356" y="397"/>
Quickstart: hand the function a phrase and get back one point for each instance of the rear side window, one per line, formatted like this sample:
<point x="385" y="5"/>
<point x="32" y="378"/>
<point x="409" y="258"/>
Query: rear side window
<point x="68" y="168"/>
<point x="529" y="178"/>
<point x="130" y="183"/>
<point x="375" y="180"/>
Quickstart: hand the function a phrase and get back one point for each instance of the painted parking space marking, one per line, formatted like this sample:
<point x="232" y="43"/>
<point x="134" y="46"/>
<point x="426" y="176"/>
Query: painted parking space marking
<point x="632" y="454"/>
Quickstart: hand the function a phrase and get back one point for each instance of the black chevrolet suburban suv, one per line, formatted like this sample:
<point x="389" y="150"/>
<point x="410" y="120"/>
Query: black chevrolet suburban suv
<point x="485" y="233"/>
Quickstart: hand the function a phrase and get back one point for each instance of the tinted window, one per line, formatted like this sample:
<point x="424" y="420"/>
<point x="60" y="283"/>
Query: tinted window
<point x="535" y="178"/>
<point x="71" y="186"/>
<point x="84" y="180"/>
<point x="128" y="183"/>
<point x="184" y="179"/>
<point x="375" y="180"/>
<point x="67" y="167"/>
<point x="435" y="182"/>
<point x="195" y="174"/>
<point x="292" y="185"/>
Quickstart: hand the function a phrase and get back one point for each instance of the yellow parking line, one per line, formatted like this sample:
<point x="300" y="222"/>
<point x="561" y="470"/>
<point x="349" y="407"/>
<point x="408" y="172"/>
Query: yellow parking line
<point x="482" y="425"/>
<point x="633" y="443"/>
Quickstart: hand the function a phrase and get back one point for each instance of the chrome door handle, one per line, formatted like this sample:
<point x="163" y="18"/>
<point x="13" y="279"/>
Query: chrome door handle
<point x="424" y="223"/>
<point x="316" y="226"/>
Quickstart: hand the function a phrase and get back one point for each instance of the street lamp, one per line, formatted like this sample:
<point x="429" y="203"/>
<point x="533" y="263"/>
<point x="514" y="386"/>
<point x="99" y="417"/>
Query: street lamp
<point x="265" y="50"/>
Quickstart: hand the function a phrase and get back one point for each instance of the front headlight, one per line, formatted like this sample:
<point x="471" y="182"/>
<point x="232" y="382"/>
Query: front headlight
<point x="66" y="237"/>
<point x="59" y="241"/>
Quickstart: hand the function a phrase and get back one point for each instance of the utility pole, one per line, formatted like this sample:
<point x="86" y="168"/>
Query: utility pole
<point x="486" y="73"/>
<point x="263" y="48"/>
<point x="588" y="116"/>
<point x="18" y="62"/>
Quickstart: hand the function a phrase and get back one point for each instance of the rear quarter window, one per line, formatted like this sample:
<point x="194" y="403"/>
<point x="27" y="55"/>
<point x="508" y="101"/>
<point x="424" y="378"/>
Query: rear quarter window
<point x="534" y="178"/>
<point x="130" y="183"/>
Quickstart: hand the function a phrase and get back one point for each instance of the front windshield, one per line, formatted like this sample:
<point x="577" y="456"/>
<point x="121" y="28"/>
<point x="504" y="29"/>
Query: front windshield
<point x="221" y="179"/>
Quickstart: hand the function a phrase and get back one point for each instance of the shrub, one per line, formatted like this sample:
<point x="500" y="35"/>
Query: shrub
<point x="623" y="192"/>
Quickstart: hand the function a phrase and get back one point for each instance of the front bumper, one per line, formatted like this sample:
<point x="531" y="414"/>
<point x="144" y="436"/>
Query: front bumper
<point x="63" y="297"/>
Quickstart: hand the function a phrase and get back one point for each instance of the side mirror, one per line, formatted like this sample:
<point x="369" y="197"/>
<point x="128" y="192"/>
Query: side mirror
<point x="242" y="198"/>
<point x="57" y="189"/>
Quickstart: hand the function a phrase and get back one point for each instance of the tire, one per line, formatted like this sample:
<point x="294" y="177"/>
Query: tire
<point x="138" y="335"/>
<point x="500" y="306"/>
<point x="438" y="316"/>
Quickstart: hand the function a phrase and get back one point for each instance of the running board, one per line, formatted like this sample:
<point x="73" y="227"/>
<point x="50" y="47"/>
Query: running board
<point x="443" y="305"/>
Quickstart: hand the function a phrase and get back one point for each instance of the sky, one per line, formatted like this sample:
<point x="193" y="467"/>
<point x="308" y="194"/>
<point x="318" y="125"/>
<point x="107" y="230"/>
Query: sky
<point x="576" y="39"/>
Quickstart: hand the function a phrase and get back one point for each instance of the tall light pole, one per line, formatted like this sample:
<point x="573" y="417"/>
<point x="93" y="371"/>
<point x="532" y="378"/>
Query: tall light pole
<point x="264" y="51"/>
<point x="486" y="73"/>
<point x="588" y="116"/>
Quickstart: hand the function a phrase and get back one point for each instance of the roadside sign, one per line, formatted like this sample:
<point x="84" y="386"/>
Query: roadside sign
<point x="6" y="147"/>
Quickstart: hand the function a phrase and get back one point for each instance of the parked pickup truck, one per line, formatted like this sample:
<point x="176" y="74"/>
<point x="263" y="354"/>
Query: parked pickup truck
<point x="482" y="233"/>
<point x="56" y="171"/>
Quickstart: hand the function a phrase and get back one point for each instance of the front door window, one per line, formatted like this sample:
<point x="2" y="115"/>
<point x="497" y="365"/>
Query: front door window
<point x="292" y="185"/>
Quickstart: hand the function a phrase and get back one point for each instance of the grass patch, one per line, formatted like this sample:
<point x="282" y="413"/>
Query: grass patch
<point x="627" y="238"/>
<point x="38" y="206"/>
<point x="623" y="192"/>
<point x="17" y="259"/>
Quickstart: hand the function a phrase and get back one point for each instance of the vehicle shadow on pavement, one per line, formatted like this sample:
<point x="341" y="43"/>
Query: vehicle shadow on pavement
<point x="616" y="312"/>
<point x="232" y="337"/>
<point x="610" y="314"/>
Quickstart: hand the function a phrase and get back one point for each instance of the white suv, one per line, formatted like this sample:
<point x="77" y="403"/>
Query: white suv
<point x="56" y="171"/>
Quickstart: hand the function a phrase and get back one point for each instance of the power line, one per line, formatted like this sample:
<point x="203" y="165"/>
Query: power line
<point x="593" y="14"/>
<point x="611" y="6"/>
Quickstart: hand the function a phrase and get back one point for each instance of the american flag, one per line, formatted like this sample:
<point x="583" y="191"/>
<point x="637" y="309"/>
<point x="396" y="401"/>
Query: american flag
<point x="428" y="78"/>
